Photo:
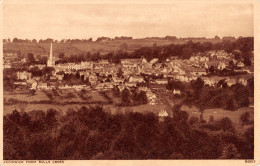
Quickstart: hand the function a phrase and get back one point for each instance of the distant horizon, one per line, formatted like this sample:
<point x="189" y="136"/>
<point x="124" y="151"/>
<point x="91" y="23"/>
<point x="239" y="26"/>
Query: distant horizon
<point x="133" y="38"/>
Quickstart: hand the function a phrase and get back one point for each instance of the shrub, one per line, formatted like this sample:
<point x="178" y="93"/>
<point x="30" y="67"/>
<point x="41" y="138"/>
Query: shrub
<point x="245" y="119"/>
<point x="193" y="120"/>
<point x="226" y="124"/>
<point x="211" y="119"/>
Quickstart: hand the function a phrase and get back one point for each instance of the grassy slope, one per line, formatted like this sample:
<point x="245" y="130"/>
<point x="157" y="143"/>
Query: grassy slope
<point x="102" y="47"/>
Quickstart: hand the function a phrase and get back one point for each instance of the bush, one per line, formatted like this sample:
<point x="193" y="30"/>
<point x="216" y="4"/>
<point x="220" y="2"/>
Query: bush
<point x="70" y="95"/>
<point x="211" y="119"/>
<point x="49" y="95"/>
<point x="193" y="120"/>
<point x="245" y="119"/>
<point x="32" y="92"/>
<point x="211" y="127"/>
<point x="226" y="124"/>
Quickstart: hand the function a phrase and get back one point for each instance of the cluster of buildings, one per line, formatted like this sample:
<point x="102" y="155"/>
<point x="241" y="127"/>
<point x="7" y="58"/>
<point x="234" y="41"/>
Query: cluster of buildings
<point x="103" y="75"/>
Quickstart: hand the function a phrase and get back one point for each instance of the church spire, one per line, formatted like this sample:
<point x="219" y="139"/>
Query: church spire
<point x="51" y="55"/>
<point x="50" y="61"/>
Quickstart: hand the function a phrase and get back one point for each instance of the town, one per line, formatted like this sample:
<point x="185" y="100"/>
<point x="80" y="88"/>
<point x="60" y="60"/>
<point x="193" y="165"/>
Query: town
<point x="155" y="102"/>
<point x="154" y="78"/>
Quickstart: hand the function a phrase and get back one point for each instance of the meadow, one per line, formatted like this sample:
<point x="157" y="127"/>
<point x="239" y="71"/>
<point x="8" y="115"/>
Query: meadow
<point x="93" y="47"/>
<point x="64" y="100"/>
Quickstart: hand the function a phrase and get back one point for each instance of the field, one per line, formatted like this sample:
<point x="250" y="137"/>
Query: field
<point x="30" y="107"/>
<point x="25" y="96"/>
<point x="43" y="100"/>
<point x="141" y="108"/>
<point x="62" y="100"/>
<point x="218" y="113"/>
<point x="102" y="47"/>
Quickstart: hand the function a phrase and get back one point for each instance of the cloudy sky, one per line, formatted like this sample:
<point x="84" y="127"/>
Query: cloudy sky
<point x="81" y="21"/>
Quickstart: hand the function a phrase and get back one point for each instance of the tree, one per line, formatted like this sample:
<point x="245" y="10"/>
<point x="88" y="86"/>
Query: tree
<point x="220" y="83"/>
<point x="178" y="114"/>
<point x="15" y="116"/>
<point x="172" y="84"/>
<point x="230" y="104"/>
<point x="61" y="56"/>
<point x="230" y="152"/>
<point x="245" y="118"/>
<point x="26" y="120"/>
<point x="15" y="40"/>
<point x="47" y="70"/>
<point x="237" y="54"/>
<point x="231" y="65"/>
<point x="227" y="46"/>
<point x="142" y="98"/>
<point x="197" y="85"/>
<point x="125" y="97"/>
<point x="226" y="124"/>
<point x="187" y="52"/>
<point x="216" y="37"/>
<point x="51" y="118"/>
<point x="116" y="91"/>
<point x="211" y="119"/>
<point x="241" y="95"/>
<point x="32" y="92"/>
<point x="247" y="61"/>
<point x="202" y="102"/>
<point x="44" y="60"/>
<point x="30" y="58"/>
<point x="245" y="44"/>
<point x="250" y="86"/>
<point x="77" y="75"/>
<point x="193" y="120"/>
<point x="120" y="73"/>
<point x="211" y="69"/>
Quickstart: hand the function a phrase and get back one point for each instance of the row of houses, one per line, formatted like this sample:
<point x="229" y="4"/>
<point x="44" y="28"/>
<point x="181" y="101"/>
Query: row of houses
<point x="44" y="85"/>
<point x="97" y="72"/>
<point x="134" y="80"/>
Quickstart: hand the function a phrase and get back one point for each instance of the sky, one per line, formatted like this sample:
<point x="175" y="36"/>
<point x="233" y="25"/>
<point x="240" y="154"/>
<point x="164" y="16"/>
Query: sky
<point x="83" y="21"/>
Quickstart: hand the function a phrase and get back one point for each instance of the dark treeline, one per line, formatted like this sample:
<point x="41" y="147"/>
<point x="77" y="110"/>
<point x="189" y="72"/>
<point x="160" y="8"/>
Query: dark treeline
<point x="92" y="133"/>
<point x="48" y="40"/>
<point x="241" y="48"/>
<point x="99" y="39"/>
<point x="130" y="97"/>
<point x="183" y="51"/>
<point x="230" y="98"/>
<point x="196" y="93"/>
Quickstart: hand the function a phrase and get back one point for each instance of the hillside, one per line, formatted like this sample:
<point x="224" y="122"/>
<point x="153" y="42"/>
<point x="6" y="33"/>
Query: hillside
<point x="92" y="47"/>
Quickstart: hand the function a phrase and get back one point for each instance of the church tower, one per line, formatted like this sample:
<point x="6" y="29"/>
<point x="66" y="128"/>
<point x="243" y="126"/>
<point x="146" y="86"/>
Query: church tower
<point x="51" y="62"/>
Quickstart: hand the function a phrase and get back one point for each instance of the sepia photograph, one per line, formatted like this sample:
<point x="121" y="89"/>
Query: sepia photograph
<point x="128" y="81"/>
